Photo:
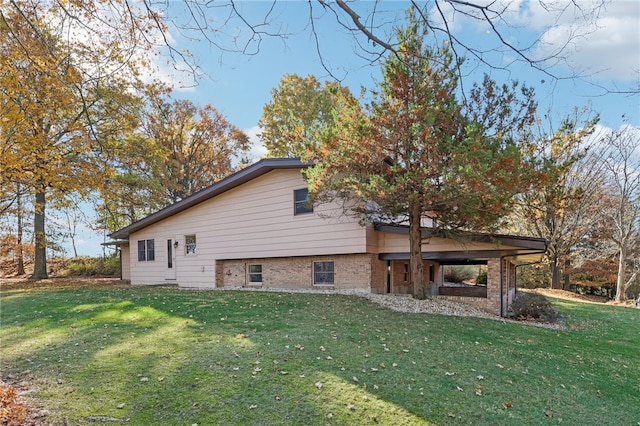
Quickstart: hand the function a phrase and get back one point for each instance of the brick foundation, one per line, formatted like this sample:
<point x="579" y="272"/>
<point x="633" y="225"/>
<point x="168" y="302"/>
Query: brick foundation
<point x="351" y="272"/>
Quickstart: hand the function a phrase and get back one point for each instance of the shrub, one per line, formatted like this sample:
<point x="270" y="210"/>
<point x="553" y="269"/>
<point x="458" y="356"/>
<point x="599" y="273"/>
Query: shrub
<point x="92" y="266"/>
<point x="459" y="273"/>
<point x="534" y="306"/>
<point x="482" y="277"/>
<point x="533" y="276"/>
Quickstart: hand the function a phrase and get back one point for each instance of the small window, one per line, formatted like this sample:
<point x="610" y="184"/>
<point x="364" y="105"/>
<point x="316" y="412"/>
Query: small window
<point x="254" y="274"/>
<point x="302" y="203"/>
<point x="146" y="250"/>
<point x="169" y="254"/>
<point x="142" y="250"/>
<point x="323" y="273"/>
<point x="190" y="244"/>
<point x="405" y="276"/>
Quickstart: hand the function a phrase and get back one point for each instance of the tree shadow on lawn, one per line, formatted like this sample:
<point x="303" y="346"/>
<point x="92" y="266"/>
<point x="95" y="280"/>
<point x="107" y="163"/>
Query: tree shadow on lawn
<point x="177" y="357"/>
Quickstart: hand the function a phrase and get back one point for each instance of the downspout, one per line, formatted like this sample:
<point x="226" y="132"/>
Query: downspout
<point x="501" y="287"/>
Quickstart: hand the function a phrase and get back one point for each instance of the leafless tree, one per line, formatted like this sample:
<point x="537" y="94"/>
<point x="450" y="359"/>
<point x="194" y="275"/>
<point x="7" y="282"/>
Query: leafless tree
<point x="563" y="209"/>
<point x="126" y="28"/>
<point x="622" y="213"/>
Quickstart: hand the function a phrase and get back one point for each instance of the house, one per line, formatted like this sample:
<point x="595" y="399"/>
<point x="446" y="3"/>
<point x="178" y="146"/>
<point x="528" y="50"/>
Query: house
<point x="256" y="229"/>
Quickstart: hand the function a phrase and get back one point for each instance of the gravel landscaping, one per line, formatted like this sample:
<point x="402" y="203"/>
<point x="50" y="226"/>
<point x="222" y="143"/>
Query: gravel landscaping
<point x="406" y="303"/>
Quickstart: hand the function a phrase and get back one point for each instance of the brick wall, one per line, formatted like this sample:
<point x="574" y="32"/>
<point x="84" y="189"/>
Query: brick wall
<point x="378" y="275"/>
<point x="493" y="285"/>
<point x="350" y="272"/>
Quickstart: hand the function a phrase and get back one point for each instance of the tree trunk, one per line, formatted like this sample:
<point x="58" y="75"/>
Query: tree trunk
<point x="19" y="249"/>
<point x="415" y="244"/>
<point x="40" y="260"/>
<point x="621" y="295"/>
<point x="565" y="276"/>
<point x="555" y="273"/>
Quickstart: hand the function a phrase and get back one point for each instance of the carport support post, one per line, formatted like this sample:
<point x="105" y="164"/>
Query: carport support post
<point x="494" y="285"/>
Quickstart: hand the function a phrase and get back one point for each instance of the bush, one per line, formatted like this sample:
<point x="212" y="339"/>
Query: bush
<point x="534" y="306"/>
<point x="459" y="273"/>
<point x="482" y="277"/>
<point x="534" y="276"/>
<point x="92" y="266"/>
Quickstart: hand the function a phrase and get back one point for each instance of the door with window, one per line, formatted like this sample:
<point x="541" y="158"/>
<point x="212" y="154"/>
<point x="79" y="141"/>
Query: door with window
<point x="170" y="267"/>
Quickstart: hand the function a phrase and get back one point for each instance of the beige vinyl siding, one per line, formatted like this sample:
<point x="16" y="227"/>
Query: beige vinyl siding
<point x="253" y="220"/>
<point x="125" y="262"/>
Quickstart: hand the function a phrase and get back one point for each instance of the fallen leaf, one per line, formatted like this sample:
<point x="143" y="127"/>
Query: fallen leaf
<point x="351" y="407"/>
<point x="121" y="406"/>
<point x="144" y="379"/>
<point x="319" y="385"/>
<point x="548" y="413"/>
<point x="449" y="373"/>
<point x="252" y="406"/>
<point x="355" y="379"/>
<point x="507" y="404"/>
<point x="480" y="377"/>
<point x="452" y="415"/>
<point x="459" y="388"/>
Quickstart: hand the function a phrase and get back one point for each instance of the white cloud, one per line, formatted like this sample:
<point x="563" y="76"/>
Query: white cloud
<point x="258" y="150"/>
<point x="609" y="47"/>
<point x="591" y="39"/>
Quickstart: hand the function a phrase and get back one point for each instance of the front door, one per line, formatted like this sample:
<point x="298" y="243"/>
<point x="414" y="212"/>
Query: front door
<point x="170" y="271"/>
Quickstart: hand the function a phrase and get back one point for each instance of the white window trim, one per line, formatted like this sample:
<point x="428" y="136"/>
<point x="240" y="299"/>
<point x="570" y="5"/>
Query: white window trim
<point x="186" y="245"/>
<point x="254" y="283"/>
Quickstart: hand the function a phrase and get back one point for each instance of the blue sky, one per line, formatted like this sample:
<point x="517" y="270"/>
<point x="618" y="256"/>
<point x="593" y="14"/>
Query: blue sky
<point x="606" y="52"/>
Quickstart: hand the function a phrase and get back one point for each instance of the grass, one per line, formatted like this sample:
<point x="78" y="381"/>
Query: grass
<point x="172" y="357"/>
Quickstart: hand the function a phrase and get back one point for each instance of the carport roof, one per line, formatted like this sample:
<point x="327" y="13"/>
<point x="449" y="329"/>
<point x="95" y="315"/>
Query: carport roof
<point x="524" y="248"/>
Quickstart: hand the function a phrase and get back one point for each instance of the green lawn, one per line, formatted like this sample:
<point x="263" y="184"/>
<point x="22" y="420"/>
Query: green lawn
<point x="157" y="356"/>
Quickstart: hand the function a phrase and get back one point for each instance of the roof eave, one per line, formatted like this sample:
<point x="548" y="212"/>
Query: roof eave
<point x="232" y="181"/>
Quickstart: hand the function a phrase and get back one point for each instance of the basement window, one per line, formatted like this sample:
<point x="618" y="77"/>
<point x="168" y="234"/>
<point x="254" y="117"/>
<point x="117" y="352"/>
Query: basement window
<point x="254" y="274"/>
<point x="323" y="273"/>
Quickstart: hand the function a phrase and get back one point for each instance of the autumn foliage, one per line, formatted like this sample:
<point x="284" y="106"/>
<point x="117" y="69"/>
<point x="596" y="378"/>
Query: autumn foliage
<point x="417" y="154"/>
<point x="13" y="412"/>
